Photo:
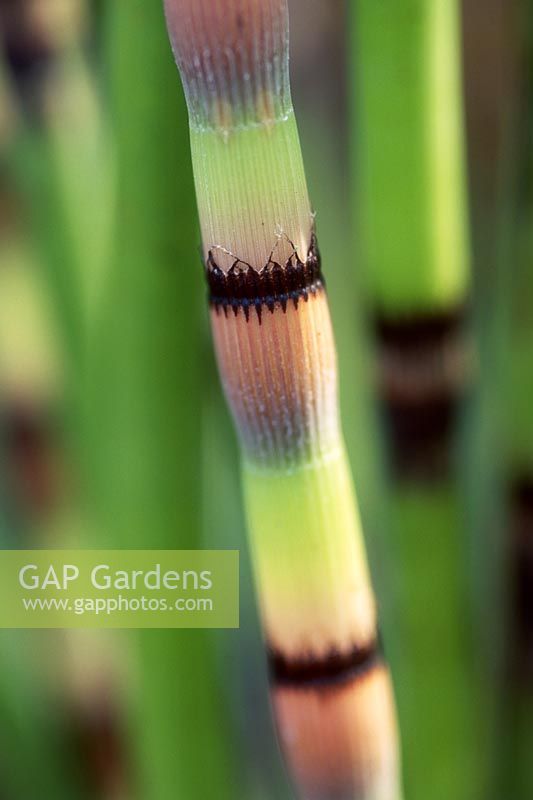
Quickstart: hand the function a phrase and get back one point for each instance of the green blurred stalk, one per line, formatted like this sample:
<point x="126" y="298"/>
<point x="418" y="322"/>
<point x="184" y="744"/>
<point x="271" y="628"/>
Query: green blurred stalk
<point x="144" y="401"/>
<point x="411" y="203"/>
<point x="36" y="757"/>
<point x="412" y="239"/>
<point x="35" y="760"/>
<point x="64" y="161"/>
<point x="514" y="728"/>
<point x="440" y="705"/>
<point x="511" y="397"/>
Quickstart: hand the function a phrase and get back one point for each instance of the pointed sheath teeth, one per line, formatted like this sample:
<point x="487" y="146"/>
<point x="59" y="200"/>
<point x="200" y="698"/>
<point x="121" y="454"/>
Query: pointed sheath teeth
<point x="244" y="287"/>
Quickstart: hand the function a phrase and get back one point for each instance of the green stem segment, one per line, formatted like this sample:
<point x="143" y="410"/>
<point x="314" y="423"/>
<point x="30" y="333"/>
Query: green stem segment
<point x="412" y="209"/>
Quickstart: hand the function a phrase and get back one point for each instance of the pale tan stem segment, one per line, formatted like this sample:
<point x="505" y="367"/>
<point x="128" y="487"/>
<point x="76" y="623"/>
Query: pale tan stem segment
<point x="280" y="377"/>
<point x="340" y="740"/>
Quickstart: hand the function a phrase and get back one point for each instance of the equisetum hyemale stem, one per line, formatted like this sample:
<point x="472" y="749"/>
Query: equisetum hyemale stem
<point x="413" y="220"/>
<point x="272" y="332"/>
<point x="413" y="237"/>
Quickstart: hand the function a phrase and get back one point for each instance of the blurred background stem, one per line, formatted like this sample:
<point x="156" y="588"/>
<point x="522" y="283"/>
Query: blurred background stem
<point x="412" y="245"/>
<point x="513" y="295"/>
<point x="146" y="446"/>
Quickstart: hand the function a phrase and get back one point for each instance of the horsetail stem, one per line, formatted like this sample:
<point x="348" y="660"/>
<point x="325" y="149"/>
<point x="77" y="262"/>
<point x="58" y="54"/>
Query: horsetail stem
<point x="413" y="237"/>
<point x="425" y="267"/>
<point x="276" y="354"/>
<point x="413" y="220"/>
<point x="511" y="394"/>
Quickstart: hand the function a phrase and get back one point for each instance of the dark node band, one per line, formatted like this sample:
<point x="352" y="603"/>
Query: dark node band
<point x="520" y="656"/>
<point x="97" y="746"/>
<point x="425" y="366"/>
<point x="243" y="287"/>
<point x="27" y="62"/>
<point x="420" y="330"/>
<point x="335" y="668"/>
<point x="28" y="55"/>
<point x="421" y="438"/>
<point x="27" y="438"/>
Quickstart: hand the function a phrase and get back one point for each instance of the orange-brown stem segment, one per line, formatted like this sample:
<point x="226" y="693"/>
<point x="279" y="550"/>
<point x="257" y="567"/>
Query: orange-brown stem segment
<point x="276" y="355"/>
<point x="339" y="740"/>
